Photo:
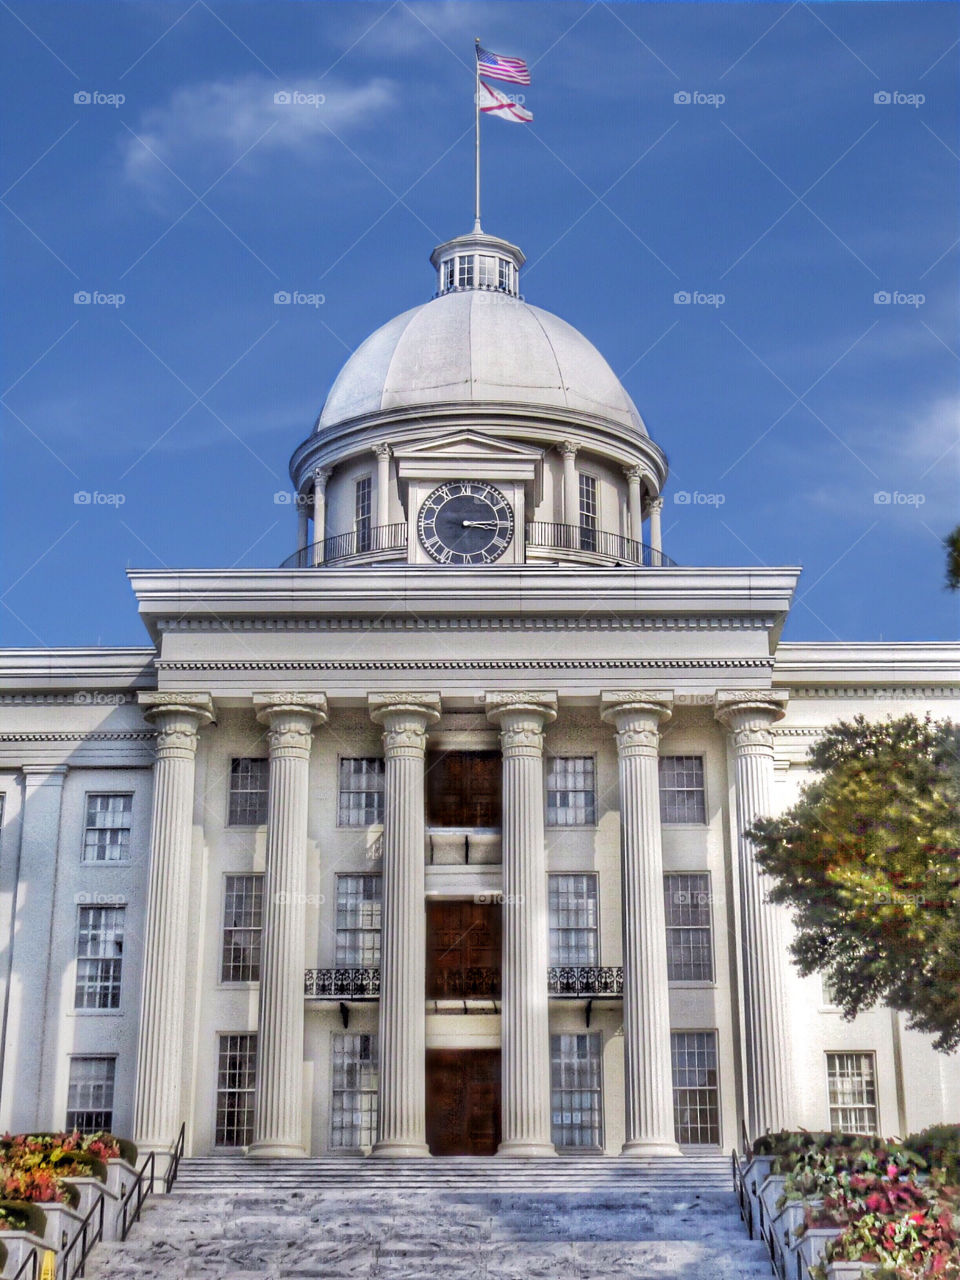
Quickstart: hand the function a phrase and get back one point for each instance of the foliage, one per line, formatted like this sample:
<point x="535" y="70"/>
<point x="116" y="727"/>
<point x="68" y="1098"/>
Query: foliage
<point x="39" y="1185"/>
<point x="19" y="1215"/>
<point x="825" y="1172"/>
<point x="940" y="1147"/>
<point x="869" y="859"/>
<point x="952" y="544"/>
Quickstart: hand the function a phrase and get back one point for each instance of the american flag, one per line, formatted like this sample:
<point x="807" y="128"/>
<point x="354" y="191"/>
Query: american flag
<point x="498" y="68"/>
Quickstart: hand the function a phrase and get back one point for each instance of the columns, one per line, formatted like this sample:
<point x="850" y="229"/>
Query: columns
<point x="320" y="477"/>
<point x="636" y="715"/>
<point x="656" y="537"/>
<point x="634" y="476"/>
<point x="278" y="1103"/>
<point x="525" y="1025"/>
<point x="157" y="1113"/>
<point x="303" y="526"/>
<point x="401" y="1126"/>
<point x="748" y="716"/>
<point x="571" y="490"/>
<point x="383" y="483"/>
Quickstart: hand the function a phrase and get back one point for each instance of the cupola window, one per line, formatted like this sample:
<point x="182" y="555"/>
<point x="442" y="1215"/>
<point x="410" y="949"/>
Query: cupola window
<point x="488" y="271"/>
<point x="505" y="280"/>
<point x="465" y="272"/>
<point x="448" y="270"/>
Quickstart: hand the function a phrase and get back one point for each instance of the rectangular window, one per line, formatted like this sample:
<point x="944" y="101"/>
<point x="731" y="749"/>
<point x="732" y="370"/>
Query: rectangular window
<point x="249" y="780"/>
<point x="487" y="274"/>
<point x="576" y="1091"/>
<point x="465" y="272"/>
<point x="361" y="792"/>
<point x="504" y="282"/>
<point x="90" y="1094"/>
<point x="363" y="512"/>
<point x="99" y="957"/>
<point x="242" y="926"/>
<point x="589" y="513"/>
<point x="448" y="273"/>
<point x="236" y="1078"/>
<point x="696" y="1100"/>
<point x="689" y="950"/>
<point x="682" y="796"/>
<point x="106" y="836"/>
<point x="852" y="1092"/>
<point x="353" y="1111"/>
<point x="574" y="918"/>
<point x="571" y="792"/>
<point x="358" y="921"/>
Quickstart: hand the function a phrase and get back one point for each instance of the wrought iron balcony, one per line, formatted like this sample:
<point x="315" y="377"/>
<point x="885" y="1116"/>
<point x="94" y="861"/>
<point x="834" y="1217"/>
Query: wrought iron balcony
<point x="608" y="546"/>
<point x="363" y="541"/>
<point x="585" y="980"/>
<point x="342" y="984"/>
<point x="465" y="984"/>
<point x="591" y="981"/>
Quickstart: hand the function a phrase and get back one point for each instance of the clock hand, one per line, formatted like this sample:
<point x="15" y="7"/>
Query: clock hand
<point x="479" y="524"/>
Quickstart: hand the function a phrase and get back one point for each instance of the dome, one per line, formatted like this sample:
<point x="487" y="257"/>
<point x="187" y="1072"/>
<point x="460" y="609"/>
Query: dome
<point x="473" y="345"/>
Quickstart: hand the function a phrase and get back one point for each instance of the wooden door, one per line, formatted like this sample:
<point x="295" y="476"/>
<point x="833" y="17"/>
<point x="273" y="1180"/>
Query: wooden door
<point x="463" y="1102"/>
<point x="463" y="950"/>
<point x="463" y="788"/>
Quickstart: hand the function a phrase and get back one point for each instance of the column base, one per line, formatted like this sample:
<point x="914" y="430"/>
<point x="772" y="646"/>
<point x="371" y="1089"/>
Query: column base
<point x="401" y="1150"/>
<point x="275" y="1150"/>
<point x="642" y="1148"/>
<point x="526" y="1150"/>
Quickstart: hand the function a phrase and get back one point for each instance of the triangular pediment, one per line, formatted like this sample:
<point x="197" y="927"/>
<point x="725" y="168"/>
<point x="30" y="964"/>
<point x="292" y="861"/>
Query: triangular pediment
<point x="468" y="444"/>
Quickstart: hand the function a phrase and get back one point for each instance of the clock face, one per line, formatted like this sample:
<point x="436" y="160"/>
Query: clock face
<point x="465" y="522"/>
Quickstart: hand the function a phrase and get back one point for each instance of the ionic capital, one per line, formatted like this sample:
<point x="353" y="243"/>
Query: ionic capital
<point x="320" y="477"/>
<point x="405" y="718"/>
<point x="637" y="714"/>
<point x="179" y="718"/>
<point x="568" y="448"/>
<point x="382" y="451"/>
<point x="522" y="717"/>
<point x="749" y="714"/>
<point x="290" y="719"/>
<point x="655" y="504"/>
<point x="634" y="474"/>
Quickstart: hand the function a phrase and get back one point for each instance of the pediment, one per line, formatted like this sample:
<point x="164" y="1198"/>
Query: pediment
<point x="468" y="444"/>
<point x="468" y="455"/>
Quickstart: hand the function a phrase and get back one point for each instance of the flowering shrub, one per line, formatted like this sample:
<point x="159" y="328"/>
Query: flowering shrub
<point x="940" y="1147"/>
<point x="828" y="1172"/>
<point x="40" y="1186"/>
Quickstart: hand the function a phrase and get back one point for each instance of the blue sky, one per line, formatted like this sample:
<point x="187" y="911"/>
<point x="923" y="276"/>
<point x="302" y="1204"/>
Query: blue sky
<point x="784" y="410"/>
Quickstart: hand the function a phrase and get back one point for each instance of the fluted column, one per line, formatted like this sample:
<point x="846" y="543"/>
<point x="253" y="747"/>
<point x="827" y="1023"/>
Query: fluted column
<point x="278" y="1101"/>
<point x="525" y="1022"/>
<point x="634" y="477"/>
<point x="749" y="715"/>
<point x="303" y="523"/>
<point x="382" y="452"/>
<point x="401" y="1124"/>
<point x="571" y="491"/>
<point x="636" y="716"/>
<point x="158" y="1112"/>
<point x="320" y="477"/>
<point x="656" y="535"/>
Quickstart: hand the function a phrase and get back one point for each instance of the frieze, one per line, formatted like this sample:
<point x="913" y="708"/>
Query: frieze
<point x="762" y="665"/>
<point x="95" y="735"/>
<point x="877" y="693"/>
<point x="652" y="622"/>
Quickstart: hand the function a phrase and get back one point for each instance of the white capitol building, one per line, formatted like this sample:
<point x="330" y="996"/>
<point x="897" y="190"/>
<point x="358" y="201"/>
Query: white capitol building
<point x="428" y="841"/>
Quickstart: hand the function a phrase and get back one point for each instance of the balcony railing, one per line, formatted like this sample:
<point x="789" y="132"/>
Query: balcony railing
<point x="358" y="542"/>
<point x="570" y="981"/>
<point x="581" y="537"/>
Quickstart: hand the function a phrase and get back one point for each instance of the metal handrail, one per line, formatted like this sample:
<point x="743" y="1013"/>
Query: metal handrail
<point x="356" y="542"/>
<point x="585" y="980"/>
<point x="86" y="1238"/>
<point x="30" y="1263"/>
<point x="742" y="1194"/>
<point x="171" y="1175"/>
<point x="611" y="546"/>
<point x="139" y="1191"/>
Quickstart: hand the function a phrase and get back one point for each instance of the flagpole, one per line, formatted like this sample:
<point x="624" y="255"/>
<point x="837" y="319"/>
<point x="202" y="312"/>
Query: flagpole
<point x="476" y="99"/>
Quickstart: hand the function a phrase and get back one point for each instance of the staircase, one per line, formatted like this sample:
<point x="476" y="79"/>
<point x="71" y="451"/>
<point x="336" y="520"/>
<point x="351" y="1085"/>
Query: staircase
<point x="441" y="1219"/>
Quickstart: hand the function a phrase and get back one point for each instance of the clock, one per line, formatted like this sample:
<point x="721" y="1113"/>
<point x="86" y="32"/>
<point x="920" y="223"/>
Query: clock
<point x="465" y="522"/>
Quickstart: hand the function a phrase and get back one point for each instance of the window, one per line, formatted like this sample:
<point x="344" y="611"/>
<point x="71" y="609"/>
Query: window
<point x="99" y="952"/>
<point x="696" y="1103"/>
<point x="681" y="789"/>
<point x="573" y="920"/>
<point x="106" y="837"/>
<point x="576" y="1095"/>
<point x="829" y="997"/>
<point x="852" y="1092"/>
<point x="465" y="272"/>
<point x="90" y="1094"/>
<point x="464" y="788"/>
<point x="448" y="269"/>
<point x="236" y="1078"/>
<point x="504" y="281"/>
<point x="571" y="792"/>
<point x="589" y="511"/>
<point x="687" y="909"/>
<point x="242" y="927"/>
<point x="487" y="273"/>
<point x="358" y="921"/>
<point x="362" y="519"/>
<point x="249" y="779"/>
<point x="361" y="792"/>
<point x="353" y="1113"/>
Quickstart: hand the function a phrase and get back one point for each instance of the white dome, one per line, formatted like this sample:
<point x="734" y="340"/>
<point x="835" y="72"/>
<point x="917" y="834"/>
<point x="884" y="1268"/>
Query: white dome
<point x="478" y="346"/>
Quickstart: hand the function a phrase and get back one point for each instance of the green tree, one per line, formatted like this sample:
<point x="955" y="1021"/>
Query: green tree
<point x="869" y="860"/>
<point x="952" y="543"/>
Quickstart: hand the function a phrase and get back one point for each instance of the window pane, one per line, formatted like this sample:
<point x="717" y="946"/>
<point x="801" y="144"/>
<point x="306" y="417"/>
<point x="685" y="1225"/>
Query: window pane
<point x="851" y="1086"/>
<point x="696" y="1104"/>
<point x="503" y="278"/>
<point x="249" y="779"/>
<point x="574" y="920"/>
<point x="363" y="512"/>
<point x="106" y="836"/>
<point x="356" y="1073"/>
<point x="681" y="789"/>
<point x="242" y="927"/>
<point x="487" y="274"/>
<point x="99" y="957"/>
<point x="236" y="1079"/>
<point x="571" y="792"/>
<point x="687" y="909"/>
<point x="589" y="511"/>
<point x="358" y="921"/>
<point x="465" y="271"/>
<point x="361" y="792"/>
<point x="90" y="1094"/>
<point x="576" y="1091"/>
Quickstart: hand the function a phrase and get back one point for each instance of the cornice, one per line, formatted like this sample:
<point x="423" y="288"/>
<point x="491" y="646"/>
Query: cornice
<point x="761" y="665"/>
<point x="97" y="735"/>
<point x="905" y="692"/>
<point x="409" y="622"/>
